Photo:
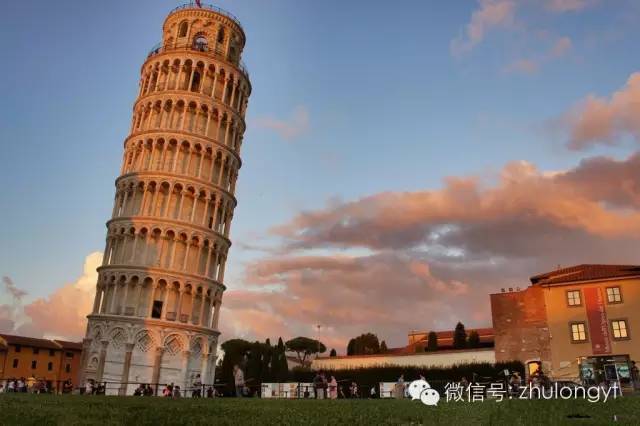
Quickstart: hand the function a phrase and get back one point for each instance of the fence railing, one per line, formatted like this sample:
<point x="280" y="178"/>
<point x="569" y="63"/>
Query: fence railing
<point x="193" y="5"/>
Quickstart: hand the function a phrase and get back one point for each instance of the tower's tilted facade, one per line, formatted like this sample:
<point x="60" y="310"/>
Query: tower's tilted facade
<point x="157" y="305"/>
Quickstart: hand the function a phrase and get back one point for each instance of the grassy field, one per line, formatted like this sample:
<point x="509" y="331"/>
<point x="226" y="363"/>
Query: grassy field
<point x="68" y="410"/>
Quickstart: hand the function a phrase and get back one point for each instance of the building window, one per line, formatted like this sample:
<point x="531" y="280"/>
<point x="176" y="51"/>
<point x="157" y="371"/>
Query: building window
<point x="18" y="348"/>
<point x="36" y="351"/>
<point x="613" y="295"/>
<point x="573" y="298"/>
<point x="578" y="332"/>
<point x="15" y="363"/>
<point x="67" y="368"/>
<point x="620" y="329"/>
<point x="69" y="354"/>
<point x="52" y="352"/>
<point x="221" y="35"/>
<point x="50" y="366"/>
<point x="182" y="30"/>
<point x="156" y="310"/>
<point x="34" y="364"/>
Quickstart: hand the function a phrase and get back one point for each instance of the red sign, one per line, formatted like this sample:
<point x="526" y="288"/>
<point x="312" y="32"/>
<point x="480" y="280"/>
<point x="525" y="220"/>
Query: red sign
<point x="598" y="325"/>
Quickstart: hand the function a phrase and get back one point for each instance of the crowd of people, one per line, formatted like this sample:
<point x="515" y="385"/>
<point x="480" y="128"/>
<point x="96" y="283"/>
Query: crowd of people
<point x="33" y="385"/>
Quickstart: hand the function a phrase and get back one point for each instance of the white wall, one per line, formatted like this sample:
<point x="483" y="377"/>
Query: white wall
<point x="426" y="359"/>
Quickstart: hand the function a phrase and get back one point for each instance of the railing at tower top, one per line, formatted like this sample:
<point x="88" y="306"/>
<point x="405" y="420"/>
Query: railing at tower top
<point x="217" y="53"/>
<point x="193" y="5"/>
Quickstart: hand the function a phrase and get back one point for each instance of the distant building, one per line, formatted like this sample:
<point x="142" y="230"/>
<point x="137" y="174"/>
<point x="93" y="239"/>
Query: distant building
<point x="53" y="361"/>
<point x="574" y="322"/>
<point x="414" y="355"/>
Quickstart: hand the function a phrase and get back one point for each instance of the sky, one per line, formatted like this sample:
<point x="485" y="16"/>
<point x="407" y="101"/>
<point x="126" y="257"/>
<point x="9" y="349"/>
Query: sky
<point x="400" y="163"/>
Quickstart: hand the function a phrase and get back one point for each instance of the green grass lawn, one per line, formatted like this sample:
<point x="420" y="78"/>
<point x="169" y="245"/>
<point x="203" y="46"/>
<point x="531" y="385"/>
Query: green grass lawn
<point x="69" y="410"/>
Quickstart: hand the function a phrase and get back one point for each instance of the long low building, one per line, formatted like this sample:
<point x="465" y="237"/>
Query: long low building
<point x="444" y="358"/>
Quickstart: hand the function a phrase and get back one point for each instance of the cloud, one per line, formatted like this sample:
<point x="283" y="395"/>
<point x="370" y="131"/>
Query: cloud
<point x="10" y="287"/>
<point x="62" y="314"/>
<point x="295" y="126"/>
<point x="490" y="14"/>
<point x="562" y="6"/>
<point x="561" y="47"/>
<point x="523" y="66"/>
<point x="431" y="257"/>
<point x="597" y="120"/>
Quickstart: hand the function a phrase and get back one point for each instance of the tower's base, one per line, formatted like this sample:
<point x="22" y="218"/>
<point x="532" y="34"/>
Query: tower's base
<point x="124" y="352"/>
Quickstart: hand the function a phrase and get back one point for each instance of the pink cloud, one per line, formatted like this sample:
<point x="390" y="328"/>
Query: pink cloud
<point x="523" y="66"/>
<point x="562" y="6"/>
<point x="296" y="125"/>
<point x="433" y="256"/>
<point x="597" y="120"/>
<point x="490" y="14"/>
<point x="62" y="314"/>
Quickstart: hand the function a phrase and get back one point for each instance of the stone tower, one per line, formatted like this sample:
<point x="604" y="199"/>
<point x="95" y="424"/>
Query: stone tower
<point x="158" y="296"/>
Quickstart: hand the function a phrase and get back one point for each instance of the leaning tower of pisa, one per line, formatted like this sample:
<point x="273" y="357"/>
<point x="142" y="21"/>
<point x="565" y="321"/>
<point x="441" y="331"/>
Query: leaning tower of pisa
<point x="155" y="315"/>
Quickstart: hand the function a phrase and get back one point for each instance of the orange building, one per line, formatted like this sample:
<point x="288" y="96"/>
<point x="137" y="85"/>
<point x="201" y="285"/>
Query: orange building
<point x="53" y="361"/>
<point x="575" y="323"/>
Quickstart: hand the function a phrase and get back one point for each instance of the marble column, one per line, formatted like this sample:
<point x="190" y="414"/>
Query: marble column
<point x="125" y="369"/>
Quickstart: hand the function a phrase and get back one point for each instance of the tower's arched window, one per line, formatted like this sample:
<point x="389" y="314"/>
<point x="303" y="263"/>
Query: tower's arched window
<point x="200" y="43"/>
<point x="195" y="85"/>
<point x="221" y="35"/>
<point x="182" y="30"/>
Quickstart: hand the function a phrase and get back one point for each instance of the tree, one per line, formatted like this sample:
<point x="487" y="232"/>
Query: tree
<point x="304" y="347"/>
<point x="235" y="353"/>
<point x="459" y="337"/>
<point x="351" y="347"/>
<point x="383" y="347"/>
<point x="474" y="339"/>
<point x="279" y="366"/>
<point x="333" y="353"/>
<point x="432" y="341"/>
<point x="366" y="344"/>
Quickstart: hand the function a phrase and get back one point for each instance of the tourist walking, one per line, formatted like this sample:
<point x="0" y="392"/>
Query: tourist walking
<point x="333" y="388"/>
<point x="238" y="378"/>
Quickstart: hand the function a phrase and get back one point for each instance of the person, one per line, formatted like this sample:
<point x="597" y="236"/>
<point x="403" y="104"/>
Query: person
<point x="88" y="387"/>
<point x="1" y="388"/>
<point x="148" y="390"/>
<point x="353" y="390"/>
<point x="22" y="387"/>
<point x="11" y="386"/>
<point x="139" y="390"/>
<point x="318" y="386"/>
<point x="67" y="387"/>
<point x="372" y="393"/>
<point x="333" y="388"/>
<point x="464" y="383"/>
<point x="399" y="388"/>
<point x="197" y="387"/>
<point x="238" y="378"/>
<point x="635" y="375"/>
<point x="514" y="383"/>
<point x="176" y="391"/>
<point x="168" y="391"/>
<point x="210" y="392"/>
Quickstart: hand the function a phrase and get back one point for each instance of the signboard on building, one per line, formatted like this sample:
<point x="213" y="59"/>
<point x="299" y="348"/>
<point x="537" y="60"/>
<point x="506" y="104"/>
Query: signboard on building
<point x="598" y="325"/>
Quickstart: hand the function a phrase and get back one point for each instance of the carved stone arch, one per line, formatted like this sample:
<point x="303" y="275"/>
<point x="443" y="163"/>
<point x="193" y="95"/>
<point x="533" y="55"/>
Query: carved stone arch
<point x="145" y="340"/>
<point x="173" y="344"/>
<point x="118" y="337"/>
<point x="197" y="345"/>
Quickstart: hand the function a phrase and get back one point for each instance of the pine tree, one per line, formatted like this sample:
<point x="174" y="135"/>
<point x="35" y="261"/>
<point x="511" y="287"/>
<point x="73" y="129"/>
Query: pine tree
<point x="432" y="342"/>
<point x="350" y="347"/>
<point x="383" y="347"/>
<point x="459" y="337"/>
<point x="333" y="353"/>
<point x="474" y="339"/>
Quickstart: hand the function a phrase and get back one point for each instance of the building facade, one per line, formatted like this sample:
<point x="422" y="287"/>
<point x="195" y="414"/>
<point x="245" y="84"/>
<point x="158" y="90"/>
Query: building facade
<point x="576" y="323"/>
<point x="159" y="291"/>
<point x="54" y="361"/>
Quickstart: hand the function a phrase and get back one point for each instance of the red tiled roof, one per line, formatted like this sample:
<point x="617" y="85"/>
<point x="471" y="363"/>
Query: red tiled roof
<point x="74" y="346"/>
<point x="586" y="272"/>
<point x="30" y="341"/>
